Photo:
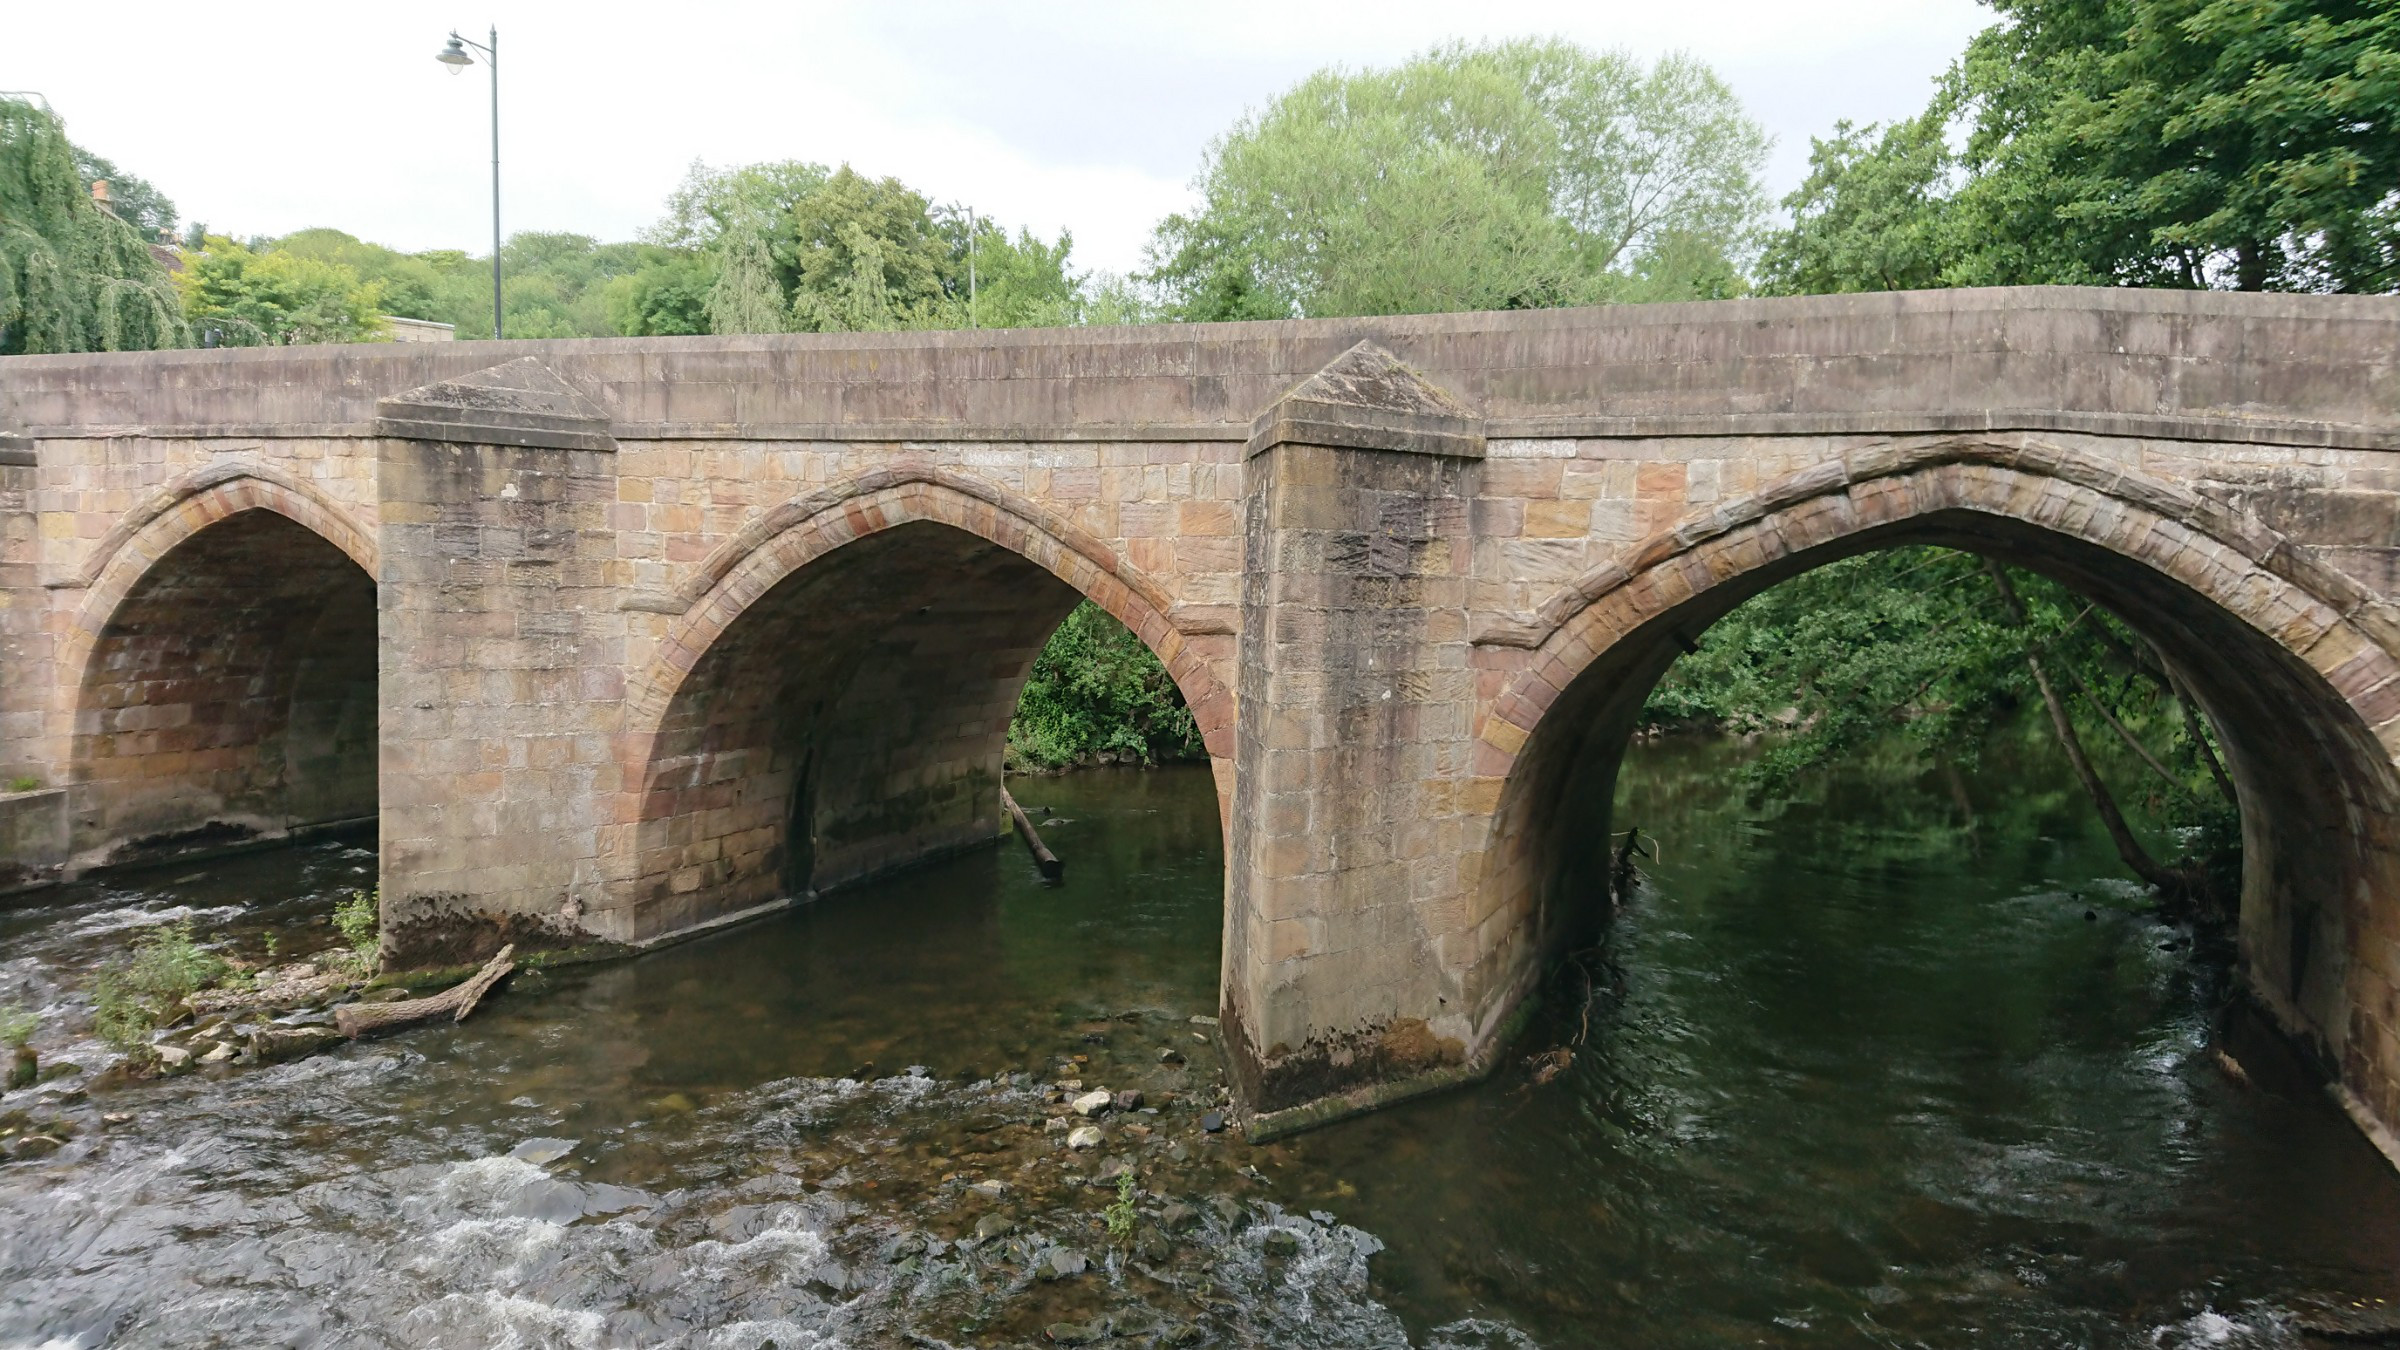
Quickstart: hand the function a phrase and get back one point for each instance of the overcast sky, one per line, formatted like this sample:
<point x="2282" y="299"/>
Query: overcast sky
<point x="262" y="118"/>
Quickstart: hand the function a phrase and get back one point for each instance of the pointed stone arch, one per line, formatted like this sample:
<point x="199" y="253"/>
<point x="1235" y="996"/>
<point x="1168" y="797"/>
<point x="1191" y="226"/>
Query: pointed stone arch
<point x="2297" y="663"/>
<point x="832" y="704"/>
<point x="224" y="671"/>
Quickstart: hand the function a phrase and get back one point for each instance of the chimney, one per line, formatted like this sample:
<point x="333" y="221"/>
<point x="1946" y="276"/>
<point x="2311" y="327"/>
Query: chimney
<point x="100" y="194"/>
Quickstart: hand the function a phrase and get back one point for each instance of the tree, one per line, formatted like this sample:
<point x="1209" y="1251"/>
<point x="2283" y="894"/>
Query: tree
<point x="1096" y="691"/>
<point x="2252" y="144"/>
<point x="665" y="297"/>
<point x="1020" y="281"/>
<point x="242" y="298"/>
<point x="2242" y="144"/>
<point x="133" y="200"/>
<point x="1511" y="176"/>
<point x="789" y="246"/>
<point x="1935" y="648"/>
<point x="1870" y="216"/>
<point x="73" y="277"/>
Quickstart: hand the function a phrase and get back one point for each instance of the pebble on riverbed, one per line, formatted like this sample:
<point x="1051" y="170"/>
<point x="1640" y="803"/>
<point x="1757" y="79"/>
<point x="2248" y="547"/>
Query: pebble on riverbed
<point x="1084" y="1136"/>
<point x="1094" y="1102"/>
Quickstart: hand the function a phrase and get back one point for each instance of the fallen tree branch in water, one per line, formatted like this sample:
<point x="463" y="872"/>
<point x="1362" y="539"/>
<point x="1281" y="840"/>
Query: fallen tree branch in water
<point x="1052" y="868"/>
<point x="357" y="1019"/>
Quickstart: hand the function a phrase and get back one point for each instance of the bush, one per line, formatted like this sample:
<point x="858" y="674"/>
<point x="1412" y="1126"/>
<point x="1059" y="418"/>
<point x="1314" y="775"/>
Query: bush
<point x="17" y="1026"/>
<point x="1096" y="691"/>
<point x="136" y="995"/>
<point x="360" y="922"/>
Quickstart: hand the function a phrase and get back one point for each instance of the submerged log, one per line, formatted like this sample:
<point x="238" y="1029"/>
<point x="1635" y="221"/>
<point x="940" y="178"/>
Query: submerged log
<point x="1052" y="868"/>
<point x="357" y="1019"/>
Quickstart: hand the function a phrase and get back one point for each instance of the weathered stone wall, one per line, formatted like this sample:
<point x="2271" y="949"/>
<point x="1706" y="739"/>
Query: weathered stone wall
<point x="670" y="629"/>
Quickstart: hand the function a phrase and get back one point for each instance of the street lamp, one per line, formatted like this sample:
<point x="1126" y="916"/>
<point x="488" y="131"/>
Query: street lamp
<point x="455" y="56"/>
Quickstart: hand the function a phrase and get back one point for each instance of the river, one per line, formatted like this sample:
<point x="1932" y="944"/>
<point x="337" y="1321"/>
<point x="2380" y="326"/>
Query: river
<point x="1855" y="1073"/>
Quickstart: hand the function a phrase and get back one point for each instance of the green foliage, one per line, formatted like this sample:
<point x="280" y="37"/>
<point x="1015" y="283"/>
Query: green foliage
<point x="73" y="277"/>
<point x="17" y="1026"/>
<point x="666" y="297"/>
<point x="131" y="199"/>
<point x="1869" y="216"/>
<point x="1020" y="281"/>
<point x="792" y="247"/>
<point x="241" y="298"/>
<point x="2251" y="144"/>
<point x="136" y="995"/>
<point x="1911" y="651"/>
<point x="359" y="919"/>
<point x="1119" y="1215"/>
<point x="1096" y="690"/>
<point x="26" y="783"/>
<point x="1510" y="176"/>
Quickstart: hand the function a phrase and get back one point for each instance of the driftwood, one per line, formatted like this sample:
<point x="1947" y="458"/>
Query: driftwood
<point x="1052" y="868"/>
<point x="357" y="1019"/>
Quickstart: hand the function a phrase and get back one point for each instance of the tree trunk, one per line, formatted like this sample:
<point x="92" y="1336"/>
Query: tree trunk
<point x="2250" y="267"/>
<point x="357" y="1019"/>
<point x="2137" y="859"/>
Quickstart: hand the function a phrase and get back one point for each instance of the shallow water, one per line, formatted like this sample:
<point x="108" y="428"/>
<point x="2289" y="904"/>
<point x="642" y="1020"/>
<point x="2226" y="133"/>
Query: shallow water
<point x="1854" y="1075"/>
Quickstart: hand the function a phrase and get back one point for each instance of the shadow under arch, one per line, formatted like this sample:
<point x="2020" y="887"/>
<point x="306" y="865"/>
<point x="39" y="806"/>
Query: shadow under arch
<point x="227" y="662"/>
<point x="2292" y="661"/>
<point x="836" y="704"/>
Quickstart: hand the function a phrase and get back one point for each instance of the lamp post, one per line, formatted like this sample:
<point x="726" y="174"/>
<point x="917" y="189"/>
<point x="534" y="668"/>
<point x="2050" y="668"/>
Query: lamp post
<point x="455" y="56"/>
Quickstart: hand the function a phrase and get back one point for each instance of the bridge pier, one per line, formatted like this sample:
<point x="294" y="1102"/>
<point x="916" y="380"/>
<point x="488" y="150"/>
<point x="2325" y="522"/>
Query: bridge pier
<point x="500" y="672"/>
<point x="1356" y="819"/>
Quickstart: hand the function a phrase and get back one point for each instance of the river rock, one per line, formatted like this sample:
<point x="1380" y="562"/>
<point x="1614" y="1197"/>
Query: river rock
<point x="1282" y="1242"/>
<point x="1059" y="1263"/>
<point x="1084" y="1136"/>
<point x="989" y="1189"/>
<point x="1182" y="1334"/>
<point x="1057" y="1124"/>
<point x="1094" y="1102"/>
<point x="1168" y="1054"/>
<point x="1075" y="1333"/>
<point x="273" y="1045"/>
<point x="218" y="1053"/>
<point x="994" y="1225"/>
<point x="1177" y="1216"/>
<point x="1213" y="1122"/>
<point x="173" y="1056"/>
<point x="1129" y="1100"/>
<point x="543" y="1152"/>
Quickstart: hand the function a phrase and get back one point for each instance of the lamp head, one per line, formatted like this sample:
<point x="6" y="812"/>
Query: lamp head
<point x="455" y="56"/>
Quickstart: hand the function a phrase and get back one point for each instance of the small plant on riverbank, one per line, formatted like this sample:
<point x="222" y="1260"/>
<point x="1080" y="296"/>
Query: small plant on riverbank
<point x="360" y="923"/>
<point x="16" y="1033"/>
<point x="17" y="1026"/>
<point x="25" y="784"/>
<point x="1119" y="1215"/>
<point x="143" y="991"/>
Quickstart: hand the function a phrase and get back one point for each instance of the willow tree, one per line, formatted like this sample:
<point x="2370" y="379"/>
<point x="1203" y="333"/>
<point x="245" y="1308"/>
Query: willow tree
<point x="73" y="277"/>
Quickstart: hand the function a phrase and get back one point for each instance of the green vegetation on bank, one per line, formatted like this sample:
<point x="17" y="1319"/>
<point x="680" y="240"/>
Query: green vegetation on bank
<point x="1097" y="694"/>
<point x="145" y="989"/>
<point x="1923" y="651"/>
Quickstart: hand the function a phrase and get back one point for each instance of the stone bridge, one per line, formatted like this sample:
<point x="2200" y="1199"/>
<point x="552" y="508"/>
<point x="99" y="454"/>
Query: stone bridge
<point x="618" y="640"/>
